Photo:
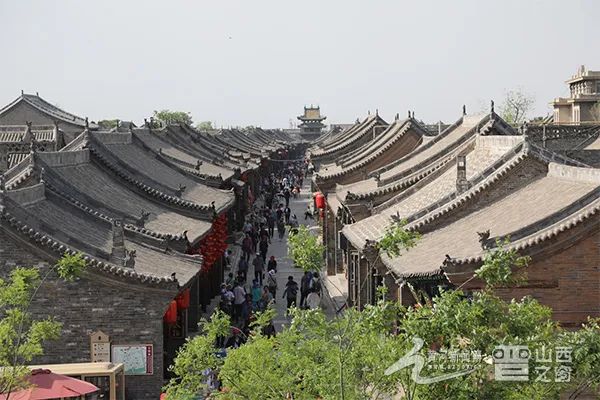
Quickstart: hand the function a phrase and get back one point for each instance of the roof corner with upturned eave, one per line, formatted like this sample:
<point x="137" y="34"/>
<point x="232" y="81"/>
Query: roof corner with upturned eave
<point x="13" y="220"/>
<point x="351" y="137"/>
<point x="572" y="193"/>
<point x="105" y="157"/>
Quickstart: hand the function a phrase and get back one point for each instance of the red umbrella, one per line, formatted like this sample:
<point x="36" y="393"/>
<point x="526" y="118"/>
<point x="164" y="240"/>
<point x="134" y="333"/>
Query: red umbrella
<point x="47" y="385"/>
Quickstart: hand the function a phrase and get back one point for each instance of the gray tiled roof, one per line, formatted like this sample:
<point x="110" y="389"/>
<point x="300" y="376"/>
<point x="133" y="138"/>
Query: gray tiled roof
<point x="429" y="191"/>
<point x="108" y="195"/>
<point x="160" y="143"/>
<point x="518" y="209"/>
<point x="49" y="109"/>
<point x="147" y="168"/>
<point x="58" y="226"/>
<point x="372" y="149"/>
<point x="343" y="143"/>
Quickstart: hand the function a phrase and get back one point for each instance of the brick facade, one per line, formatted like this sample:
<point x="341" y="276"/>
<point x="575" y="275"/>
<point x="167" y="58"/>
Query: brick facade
<point x="129" y="314"/>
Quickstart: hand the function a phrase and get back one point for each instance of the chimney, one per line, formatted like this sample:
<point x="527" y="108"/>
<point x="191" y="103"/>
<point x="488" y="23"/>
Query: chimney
<point x="461" y="174"/>
<point x="117" y="255"/>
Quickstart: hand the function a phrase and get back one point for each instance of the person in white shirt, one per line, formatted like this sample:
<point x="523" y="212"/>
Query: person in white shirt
<point x="239" y="294"/>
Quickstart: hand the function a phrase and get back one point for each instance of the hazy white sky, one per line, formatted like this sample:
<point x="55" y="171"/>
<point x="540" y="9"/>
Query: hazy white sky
<point x="253" y="62"/>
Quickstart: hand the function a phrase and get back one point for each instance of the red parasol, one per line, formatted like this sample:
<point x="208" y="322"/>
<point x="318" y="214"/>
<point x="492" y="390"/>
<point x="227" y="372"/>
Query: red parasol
<point x="47" y="385"/>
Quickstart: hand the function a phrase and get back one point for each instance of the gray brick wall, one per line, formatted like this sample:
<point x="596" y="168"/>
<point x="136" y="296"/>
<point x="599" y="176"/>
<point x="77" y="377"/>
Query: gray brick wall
<point x="128" y="314"/>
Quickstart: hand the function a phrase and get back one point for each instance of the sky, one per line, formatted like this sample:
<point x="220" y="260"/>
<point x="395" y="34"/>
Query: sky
<point x="253" y="62"/>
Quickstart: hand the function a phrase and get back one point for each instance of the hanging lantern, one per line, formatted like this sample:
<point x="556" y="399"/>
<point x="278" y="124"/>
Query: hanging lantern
<point x="183" y="299"/>
<point x="320" y="200"/>
<point x="170" y="316"/>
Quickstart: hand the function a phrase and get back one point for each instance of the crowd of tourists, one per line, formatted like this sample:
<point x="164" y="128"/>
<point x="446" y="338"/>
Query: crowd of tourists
<point x="252" y="285"/>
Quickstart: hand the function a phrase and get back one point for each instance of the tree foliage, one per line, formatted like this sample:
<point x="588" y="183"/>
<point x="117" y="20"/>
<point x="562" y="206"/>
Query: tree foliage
<point x="305" y="249"/>
<point x="353" y="355"/>
<point x="22" y="337"/>
<point x="205" y="126"/>
<point x="108" y="123"/>
<point x="499" y="266"/>
<point x="174" y="117"/>
<point x="517" y="104"/>
<point x="396" y="239"/>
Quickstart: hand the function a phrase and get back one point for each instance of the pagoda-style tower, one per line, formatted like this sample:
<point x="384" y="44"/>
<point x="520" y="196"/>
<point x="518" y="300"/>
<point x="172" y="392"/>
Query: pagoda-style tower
<point x="312" y="123"/>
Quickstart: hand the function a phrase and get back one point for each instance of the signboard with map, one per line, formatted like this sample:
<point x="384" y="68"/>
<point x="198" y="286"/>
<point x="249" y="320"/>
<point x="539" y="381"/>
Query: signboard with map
<point x="137" y="358"/>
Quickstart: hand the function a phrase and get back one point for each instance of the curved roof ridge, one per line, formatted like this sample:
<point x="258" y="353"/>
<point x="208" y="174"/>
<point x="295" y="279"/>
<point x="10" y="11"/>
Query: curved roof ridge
<point x="420" y="149"/>
<point x="97" y="214"/>
<point x="342" y="135"/>
<point x="350" y="141"/>
<point x="470" y="132"/>
<point x="48" y="242"/>
<point x="370" y="156"/>
<point x="173" y="162"/>
<point x="415" y="174"/>
<point x="483" y="181"/>
<point x="158" y="194"/>
<point x="389" y="133"/>
<point x="568" y="222"/>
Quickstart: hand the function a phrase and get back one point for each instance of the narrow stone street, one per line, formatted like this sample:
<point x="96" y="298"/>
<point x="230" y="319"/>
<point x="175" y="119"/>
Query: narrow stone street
<point x="279" y="249"/>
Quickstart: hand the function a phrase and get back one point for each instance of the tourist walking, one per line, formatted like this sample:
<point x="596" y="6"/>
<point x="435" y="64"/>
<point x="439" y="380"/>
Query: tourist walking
<point x="313" y="300"/>
<point x="271" y="223"/>
<point x="256" y="293"/>
<point x="272" y="264"/>
<point x="263" y="247"/>
<point x="272" y="282"/>
<point x="305" y="286"/>
<point x="259" y="267"/>
<point x="287" y="212"/>
<point x="243" y="268"/>
<point x="308" y="213"/>
<point x="291" y="292"/>
<point x="247" y="246"/>
<point x="265" y="299"/>
<point x="239" y="294"/>
<point x="281" y="229"/>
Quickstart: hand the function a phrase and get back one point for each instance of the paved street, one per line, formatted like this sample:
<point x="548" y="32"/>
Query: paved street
<point x="285" y="266"/>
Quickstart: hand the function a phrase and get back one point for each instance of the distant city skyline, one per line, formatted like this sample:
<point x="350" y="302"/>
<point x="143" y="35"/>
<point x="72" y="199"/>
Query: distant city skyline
<point x="240" y="63"/>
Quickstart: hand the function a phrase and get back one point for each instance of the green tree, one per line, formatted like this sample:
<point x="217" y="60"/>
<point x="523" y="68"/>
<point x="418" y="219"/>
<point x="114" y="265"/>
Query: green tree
<point x="356" y="355"/>
<point x="517" y="104"/>
<point x="306" y="251"/>
<point x="22" y="337"/>
<point x="205" y="126"/>
<point x="174" y="117"/>
<point x="108" y="123"/>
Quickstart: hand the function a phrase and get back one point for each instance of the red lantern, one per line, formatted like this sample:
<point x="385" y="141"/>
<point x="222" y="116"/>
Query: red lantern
<point x="320" y="200"/>
<point x="183" y="299"/>
<point x="171" y="314"/>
